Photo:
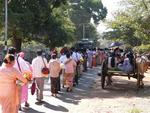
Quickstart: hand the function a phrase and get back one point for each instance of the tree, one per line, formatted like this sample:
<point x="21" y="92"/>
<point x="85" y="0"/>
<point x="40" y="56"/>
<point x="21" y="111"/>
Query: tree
<point x="132" y="24"/>
<point x="61" y="29"/>
<point x="82" y="11"/>
<point x="30" y="20"/>
<point x="1" y="14"/>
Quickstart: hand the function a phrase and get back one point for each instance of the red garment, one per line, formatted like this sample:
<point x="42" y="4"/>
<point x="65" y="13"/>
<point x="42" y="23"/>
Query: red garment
<point x="94" y="61"/>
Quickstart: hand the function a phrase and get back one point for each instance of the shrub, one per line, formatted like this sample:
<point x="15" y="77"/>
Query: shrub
<point x="134" y="110"/>
<point x="142" y="48"/>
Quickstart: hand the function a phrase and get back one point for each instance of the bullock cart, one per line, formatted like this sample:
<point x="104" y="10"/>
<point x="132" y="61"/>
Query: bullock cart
<point x="137" y="73"/>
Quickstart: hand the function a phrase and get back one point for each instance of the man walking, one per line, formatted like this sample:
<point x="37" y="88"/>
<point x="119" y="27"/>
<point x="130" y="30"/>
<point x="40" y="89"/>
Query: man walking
<point x="37" y="65"/>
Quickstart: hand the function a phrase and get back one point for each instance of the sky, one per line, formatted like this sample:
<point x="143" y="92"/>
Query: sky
<point x="112" y="6"/>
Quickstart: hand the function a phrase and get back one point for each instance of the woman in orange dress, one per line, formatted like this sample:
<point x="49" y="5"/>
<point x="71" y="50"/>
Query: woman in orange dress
<point x="70" y="66"/>
<point x="9" y="99"/>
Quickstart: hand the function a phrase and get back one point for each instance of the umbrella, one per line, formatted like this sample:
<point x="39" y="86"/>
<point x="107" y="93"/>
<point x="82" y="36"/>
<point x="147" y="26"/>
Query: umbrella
<point x="114" y="44"/>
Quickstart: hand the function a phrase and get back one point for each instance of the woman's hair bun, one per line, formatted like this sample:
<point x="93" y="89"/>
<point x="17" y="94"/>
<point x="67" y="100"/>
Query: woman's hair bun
<point x="9" y="58"/>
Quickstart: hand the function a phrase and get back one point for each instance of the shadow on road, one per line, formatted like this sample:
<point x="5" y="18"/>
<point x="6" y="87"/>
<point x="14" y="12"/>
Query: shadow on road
<point x="90" y="87"/>
<point x="31" y="110"/>
<point x="56" y="108"/>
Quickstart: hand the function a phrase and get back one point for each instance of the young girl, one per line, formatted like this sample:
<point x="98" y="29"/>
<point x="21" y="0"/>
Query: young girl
<point x="54" y="67"/>
<point x="70" y="66"/>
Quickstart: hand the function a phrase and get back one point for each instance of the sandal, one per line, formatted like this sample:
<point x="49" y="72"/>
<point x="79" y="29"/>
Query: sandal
<point x="20" y="109"/>
<point x="26" y="104"/>
<point x="67" y="90"/>
<point x="54" y="95"/>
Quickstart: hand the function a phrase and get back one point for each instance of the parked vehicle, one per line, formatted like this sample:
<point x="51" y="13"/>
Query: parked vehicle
<point x="85" y="43"/>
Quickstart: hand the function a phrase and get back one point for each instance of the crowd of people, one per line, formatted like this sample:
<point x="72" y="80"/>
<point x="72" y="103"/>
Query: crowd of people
<point x="121" y="60"/>
<point x="68" y="64"/>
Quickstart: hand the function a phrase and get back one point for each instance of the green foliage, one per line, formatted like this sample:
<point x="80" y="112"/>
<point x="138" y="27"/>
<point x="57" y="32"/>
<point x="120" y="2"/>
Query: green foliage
<point x="84" y="10"/>
<point x="142" y="48"/>
<point x="81" y="13"/>
<point x="1" y="14"/>
<point x="90" y="32"/>
<point x="134" y="110"/>
<point x="57" y="3"/>
<point x="33" y="45"/>
<point x="48" y="21"/>
<point x="132" y="24"/>
<point x="61" y="30"/>
<point x="39" y="20"/>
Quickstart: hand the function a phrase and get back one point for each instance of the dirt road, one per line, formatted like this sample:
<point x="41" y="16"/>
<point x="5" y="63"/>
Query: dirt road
<point x="88" y="97"/>
<point x="121" y="97"/>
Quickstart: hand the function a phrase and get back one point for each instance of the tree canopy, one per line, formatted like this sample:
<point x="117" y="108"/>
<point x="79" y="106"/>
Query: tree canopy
<point x="81" y="13"/>
<point x="132" y="24"/>
<point x="51" y="22"/>
<point x="36" y="20"/>
<point x="1" y="14"/>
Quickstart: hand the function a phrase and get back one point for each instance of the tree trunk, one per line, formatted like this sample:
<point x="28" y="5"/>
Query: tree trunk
<point x="16" y="42"/>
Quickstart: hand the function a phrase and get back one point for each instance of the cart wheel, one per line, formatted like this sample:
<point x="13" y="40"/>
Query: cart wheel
<point x="109" y="79"/>
<point x="103" y="81"/>
<point x="103" y="75"/>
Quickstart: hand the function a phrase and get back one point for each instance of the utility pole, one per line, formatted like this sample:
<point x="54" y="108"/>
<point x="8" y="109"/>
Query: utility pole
<point x="6" y="23"/>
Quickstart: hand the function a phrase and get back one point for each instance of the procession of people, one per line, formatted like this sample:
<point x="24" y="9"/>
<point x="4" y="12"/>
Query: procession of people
<point x="64" y="70"/>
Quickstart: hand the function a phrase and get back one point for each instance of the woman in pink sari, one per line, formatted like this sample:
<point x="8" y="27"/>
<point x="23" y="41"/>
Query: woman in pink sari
<point x="24" y="90"/>
<point x="9" y="99"/>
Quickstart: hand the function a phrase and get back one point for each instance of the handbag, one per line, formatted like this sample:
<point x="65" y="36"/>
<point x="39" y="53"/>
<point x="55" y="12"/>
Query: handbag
<point x="44" y="70"/>
<point x="33" y="87"/>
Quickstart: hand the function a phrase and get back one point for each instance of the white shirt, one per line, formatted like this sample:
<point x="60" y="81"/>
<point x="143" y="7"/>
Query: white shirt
<point x="37" y="65"/>
<point x="63" y="59"/>
<point x="22" y="63"/>
<point x="76" y="56"/>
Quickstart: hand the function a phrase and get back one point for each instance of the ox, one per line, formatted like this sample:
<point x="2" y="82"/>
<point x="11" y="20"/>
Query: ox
<point x="142" y="64"/>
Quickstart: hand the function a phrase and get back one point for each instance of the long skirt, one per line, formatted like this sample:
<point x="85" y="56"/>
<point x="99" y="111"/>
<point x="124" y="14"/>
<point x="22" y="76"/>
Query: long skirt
<point x="94" y="61"/>
<point x="85" y="65"/>
<point x="58" y="84"/>
<point x="54" y="83"/>
<point x="24" y="93"/>
<point x="64" y="78"/>
<point x="69" y="80"/>
<point x="98" y="60"/>
<point x="9" y="98"/>
<point x="90" y="61"/>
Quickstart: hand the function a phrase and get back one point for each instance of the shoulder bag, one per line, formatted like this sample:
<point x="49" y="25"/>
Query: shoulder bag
<point x="44" y="70"/>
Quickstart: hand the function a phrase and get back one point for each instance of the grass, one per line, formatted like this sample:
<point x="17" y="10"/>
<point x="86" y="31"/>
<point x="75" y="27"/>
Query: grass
<point x="134" y="110"/>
